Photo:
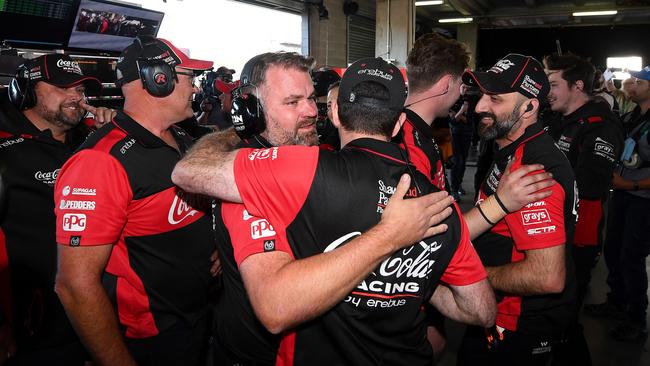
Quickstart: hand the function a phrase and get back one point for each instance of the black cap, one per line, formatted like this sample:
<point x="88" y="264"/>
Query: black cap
<point x="379" y="71"/>
<point x="322" y="79"/>
<point x="149" y="48"/>
<point x="59" y="70"/>
<point x="513" y="73"/>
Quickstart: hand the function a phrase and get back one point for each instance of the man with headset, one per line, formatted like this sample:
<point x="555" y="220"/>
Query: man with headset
<point x="134" y="267"/>
<point x="367" y="316"/>
<point x="264" y="118"/>
<point x="39" y="130"/>
<point x="527" y="252"/>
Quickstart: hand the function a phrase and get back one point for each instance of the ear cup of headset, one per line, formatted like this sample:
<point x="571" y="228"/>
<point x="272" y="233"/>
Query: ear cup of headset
<point x="21" y="92"/>
<point x="158" y="77"/>
<point x="247" y="116"/>
<point x="247" y="112"/>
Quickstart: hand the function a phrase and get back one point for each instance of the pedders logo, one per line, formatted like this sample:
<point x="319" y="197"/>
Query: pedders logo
<point x="532" y="217"/>
<point x="74" y="222"/>
<point x="48" y="178"/>
<point x="261" y="229"/>
<point x="180" y="209"/>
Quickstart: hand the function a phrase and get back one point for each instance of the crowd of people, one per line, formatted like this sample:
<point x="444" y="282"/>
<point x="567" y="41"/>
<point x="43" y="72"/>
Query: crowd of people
<point x="314" y="223"/>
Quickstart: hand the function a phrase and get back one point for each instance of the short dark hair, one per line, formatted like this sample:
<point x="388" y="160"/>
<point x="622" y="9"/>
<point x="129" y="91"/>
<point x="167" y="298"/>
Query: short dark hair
<point x="573" y="68"/>
<point x="285" y="60"/>
<point x="370" y="115"/>
<point x="432" y="57"/>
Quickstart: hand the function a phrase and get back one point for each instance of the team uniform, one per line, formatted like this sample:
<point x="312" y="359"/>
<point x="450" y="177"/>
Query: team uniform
<point x="527" y="326"/>
<point x="117" y="190"/>
<point x="32" y="160"/>
<point x="423" y="152"/>
<point x="317" y="201"/>
<point x="242" y="339"/>
<point x="591" y="138"/>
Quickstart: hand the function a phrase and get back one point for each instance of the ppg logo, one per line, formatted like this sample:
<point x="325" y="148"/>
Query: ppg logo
<point x="74" y="222"/>
<point x="261" y="229"/>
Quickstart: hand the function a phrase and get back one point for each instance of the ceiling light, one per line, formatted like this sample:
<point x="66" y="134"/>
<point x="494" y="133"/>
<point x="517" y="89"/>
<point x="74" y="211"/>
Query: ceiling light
<point x="429" y="2"/>
<point x="456" y="20"/>
<point x="594" y="13"/>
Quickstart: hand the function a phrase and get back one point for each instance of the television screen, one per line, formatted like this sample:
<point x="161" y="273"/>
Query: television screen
<point x="106" y="26"/>
<point x="36" y="23"/>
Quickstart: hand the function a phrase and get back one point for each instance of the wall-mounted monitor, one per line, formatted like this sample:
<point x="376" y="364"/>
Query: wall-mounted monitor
<point x="42" y="24"/>
<point x="110" y="27"/>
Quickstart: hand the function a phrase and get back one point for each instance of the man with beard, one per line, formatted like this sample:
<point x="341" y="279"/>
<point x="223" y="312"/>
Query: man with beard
<point x="525" y="253"/>
<point x="283" y="86"/>
<point x="434" y="68"/>
<point x="134" y="250"/>
<point x="39" y="130"/>
<point x="352" y="302"/>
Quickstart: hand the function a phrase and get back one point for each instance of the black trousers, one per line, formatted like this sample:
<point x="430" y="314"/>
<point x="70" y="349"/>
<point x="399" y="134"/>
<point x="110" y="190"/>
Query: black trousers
<point x="626" y="247"/>
<point x="174" y="347"/>
<point x="515" y="349"/>
<point x="460" y="143"/>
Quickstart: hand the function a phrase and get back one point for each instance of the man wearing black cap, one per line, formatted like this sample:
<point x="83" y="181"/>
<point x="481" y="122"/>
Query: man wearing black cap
<point x="361" y="300"/>
<point x="39" y="130"/>
<point x="134" y="268"/>
<point x="526" y="253"/>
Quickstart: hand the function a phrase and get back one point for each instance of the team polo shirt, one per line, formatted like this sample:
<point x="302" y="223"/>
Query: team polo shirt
<point x="592" y="139"/>
<point x="316" y="201"/>
<point x="239" y="331"/>
<point x="538" y="225"/>
<point x="117" y="190"/>
<point x="31" y="161"/>
<point x="423" y="152"/>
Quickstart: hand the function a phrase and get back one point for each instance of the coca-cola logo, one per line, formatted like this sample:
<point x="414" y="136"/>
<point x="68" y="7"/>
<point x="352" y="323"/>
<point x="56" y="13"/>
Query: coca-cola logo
<point x="67" y="64"/>
<point x="180" y="209"/>
<point x="48" y="178"/>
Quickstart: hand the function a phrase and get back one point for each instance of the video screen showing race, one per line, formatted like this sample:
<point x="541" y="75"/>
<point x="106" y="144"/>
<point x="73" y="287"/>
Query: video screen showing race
<point x="115" y="24"/>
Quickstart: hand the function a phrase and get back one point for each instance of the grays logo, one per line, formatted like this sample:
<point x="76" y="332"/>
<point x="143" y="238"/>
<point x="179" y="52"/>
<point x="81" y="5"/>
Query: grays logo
<point x="532" y="217"/>
<point x="376" y="72"/>
<point x="604" y="149"/>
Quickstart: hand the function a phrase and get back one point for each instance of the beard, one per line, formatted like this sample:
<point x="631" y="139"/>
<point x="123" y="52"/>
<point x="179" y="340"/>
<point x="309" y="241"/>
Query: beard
<point x="279" y="136"/>
<point x="500" y="126"/>
<point x="64" y="117"/>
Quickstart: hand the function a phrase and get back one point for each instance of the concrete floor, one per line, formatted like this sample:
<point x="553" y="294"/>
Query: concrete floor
<point x="605" y="351"/>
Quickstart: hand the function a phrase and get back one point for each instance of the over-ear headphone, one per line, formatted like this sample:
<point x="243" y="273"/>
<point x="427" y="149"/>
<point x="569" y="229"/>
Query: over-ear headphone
<point x="21" y="91"/>
<point x="529" y="107"/>
<point x="247" y="112"/>
<point x="157" y="76"/>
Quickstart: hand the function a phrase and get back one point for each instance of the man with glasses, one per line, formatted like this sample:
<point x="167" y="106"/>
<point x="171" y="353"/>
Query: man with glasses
<point x="128" y="237"/>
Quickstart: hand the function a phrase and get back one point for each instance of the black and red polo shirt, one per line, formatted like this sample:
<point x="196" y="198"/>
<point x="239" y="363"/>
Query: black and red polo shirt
<point x="239" y="331"/>
<point x="117" y="190"/>
<point x="592" y="138"/>
<point x="316" y="201"/>
<point x="423" y="152"/>
<point x="32" y="160"/>
<point x="542" y="224"/>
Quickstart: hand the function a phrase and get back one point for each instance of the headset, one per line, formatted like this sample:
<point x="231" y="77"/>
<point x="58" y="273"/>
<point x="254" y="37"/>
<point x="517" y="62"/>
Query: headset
<point x="157" y="76"/>
<point x="247" y="111"/>
<point x="529" y="107"/>
<point x="21" y="91"/>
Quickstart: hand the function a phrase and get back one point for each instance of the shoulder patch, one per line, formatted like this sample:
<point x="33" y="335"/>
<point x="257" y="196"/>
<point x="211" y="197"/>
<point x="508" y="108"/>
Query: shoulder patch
<point x="594" y="119"/>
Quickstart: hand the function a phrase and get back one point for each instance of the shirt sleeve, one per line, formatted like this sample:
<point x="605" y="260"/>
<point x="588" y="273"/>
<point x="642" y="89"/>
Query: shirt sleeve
<point x="539" y="224"/>
<point x="274" y="183"/>
<point x="91" y="197"/>
<point x="250" y="234"/>
<point x="465" y="266"/>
